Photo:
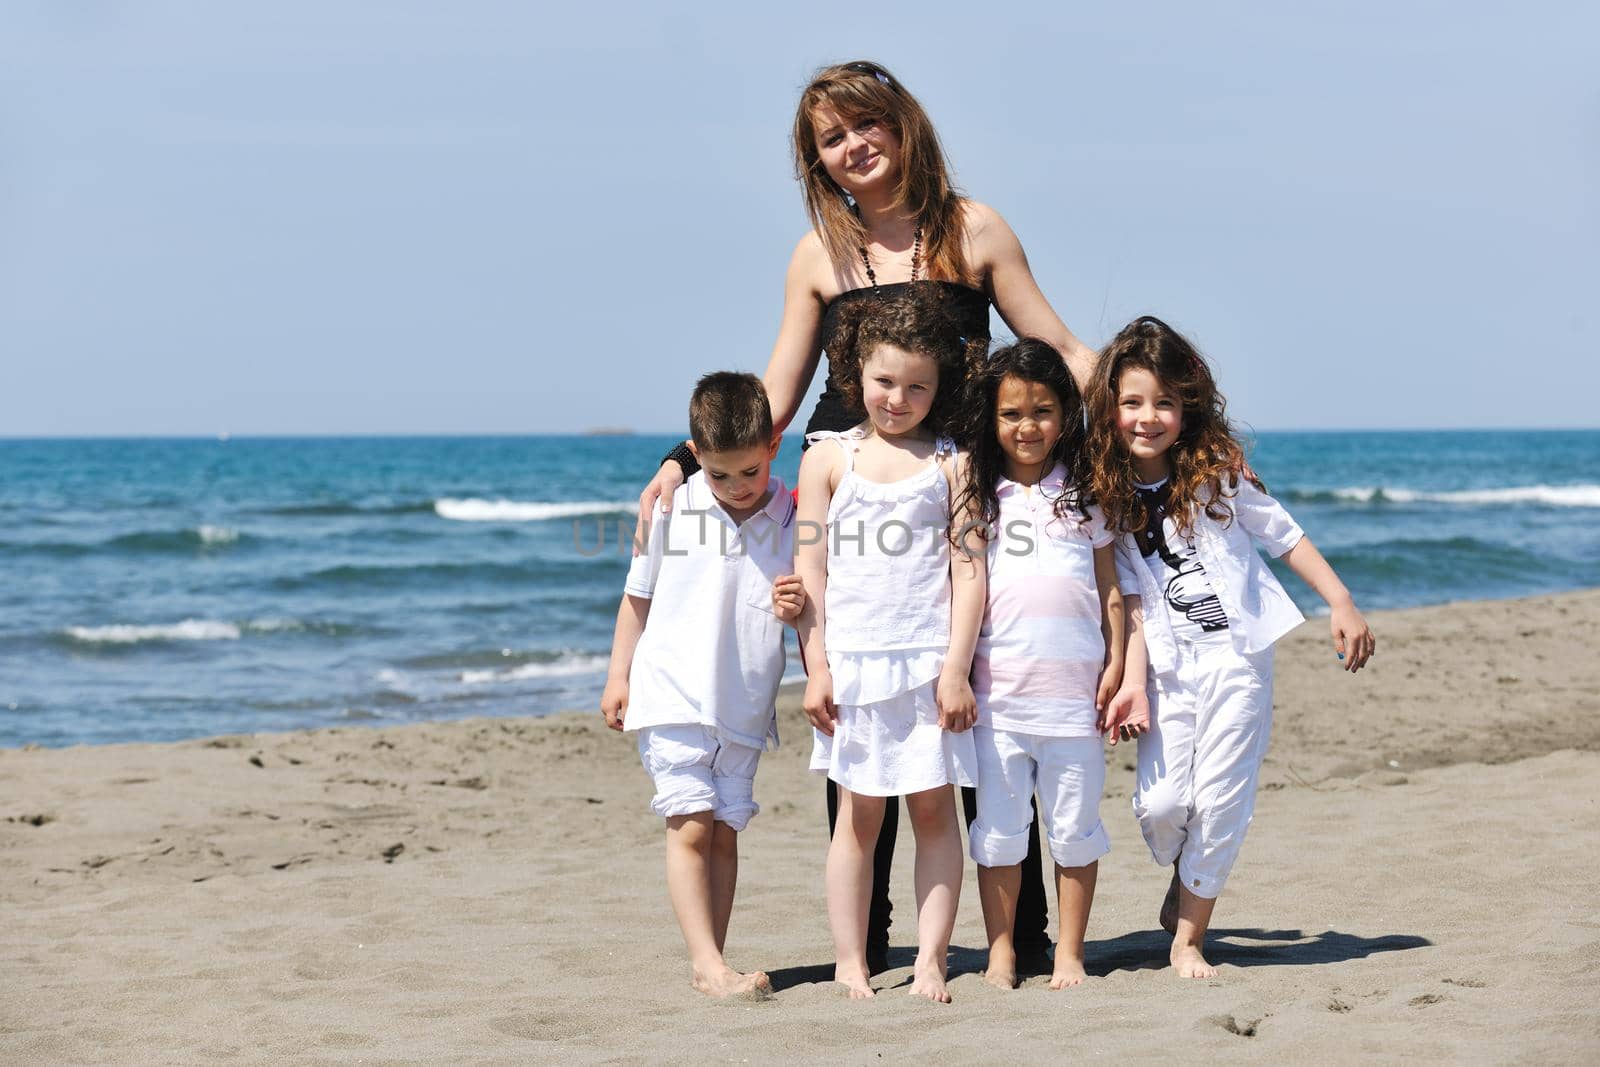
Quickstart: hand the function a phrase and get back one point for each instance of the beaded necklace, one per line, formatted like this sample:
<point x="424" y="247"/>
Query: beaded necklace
<point x="916" y="259"/>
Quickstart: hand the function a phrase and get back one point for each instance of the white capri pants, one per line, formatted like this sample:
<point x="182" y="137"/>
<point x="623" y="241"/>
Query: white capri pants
<point x="1199" y="764"/>
<point x="695" y="771"/>
<point x="1069" y="773"/>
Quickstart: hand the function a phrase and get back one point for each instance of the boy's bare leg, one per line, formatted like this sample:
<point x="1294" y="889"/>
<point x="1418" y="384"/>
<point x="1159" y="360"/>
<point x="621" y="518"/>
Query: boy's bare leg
<point x="724" y="879"/>
<point x="1194" y="918"/>
<point x="938" y="883"/>
<point x="1169" y="907"/>
<point x="849" y="882"/>
<point x="998" y="888"/>
<point x="689" y="887"/>
<point x="1074" y="896"/>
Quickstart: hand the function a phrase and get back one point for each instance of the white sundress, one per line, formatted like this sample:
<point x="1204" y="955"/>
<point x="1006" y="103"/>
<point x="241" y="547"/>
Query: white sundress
<point x="887" y="631"/>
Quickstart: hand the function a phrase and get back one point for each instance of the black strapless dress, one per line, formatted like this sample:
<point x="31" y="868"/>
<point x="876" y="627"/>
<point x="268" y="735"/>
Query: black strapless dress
<point x="971" y="311"/>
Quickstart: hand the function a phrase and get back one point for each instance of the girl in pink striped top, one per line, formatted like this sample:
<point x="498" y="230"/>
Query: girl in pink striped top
<point x="1049" y="655"/>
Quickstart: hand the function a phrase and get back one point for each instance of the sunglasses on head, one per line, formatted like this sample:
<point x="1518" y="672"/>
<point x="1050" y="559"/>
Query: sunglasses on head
<point x="872" y="70"/>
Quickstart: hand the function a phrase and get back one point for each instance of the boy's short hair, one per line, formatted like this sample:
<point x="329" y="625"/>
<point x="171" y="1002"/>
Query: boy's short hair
<point x="729" y="411"/>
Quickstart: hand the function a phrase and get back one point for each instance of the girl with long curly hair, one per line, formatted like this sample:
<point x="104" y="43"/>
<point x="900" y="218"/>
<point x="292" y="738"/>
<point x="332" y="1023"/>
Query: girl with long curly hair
<point x="1171" y="479"/>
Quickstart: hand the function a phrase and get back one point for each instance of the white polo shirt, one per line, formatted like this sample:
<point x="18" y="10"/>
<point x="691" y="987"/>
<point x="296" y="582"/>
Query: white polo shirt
<point x="1040" y="651"/>
<point x="712" y="650"/>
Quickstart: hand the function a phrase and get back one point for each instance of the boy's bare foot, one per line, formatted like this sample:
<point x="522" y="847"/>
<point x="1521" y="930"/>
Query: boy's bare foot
<point x="1169" y="906"/>
<point x="1188" y="961"/>
<point x="730" y="983"/>
<point x="854" y="978"/>
<point x="928" y="981"/>
<point x="1002" y="972"/>
<point x="1067" y="972"/>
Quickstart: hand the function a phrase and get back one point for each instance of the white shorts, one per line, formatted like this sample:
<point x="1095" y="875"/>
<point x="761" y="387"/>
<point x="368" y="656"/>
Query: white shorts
<point x="694" y="771"/>
<point x="1210" y="721"/>
<point x="1069" y="773"/>
<point x="894" y="747"/>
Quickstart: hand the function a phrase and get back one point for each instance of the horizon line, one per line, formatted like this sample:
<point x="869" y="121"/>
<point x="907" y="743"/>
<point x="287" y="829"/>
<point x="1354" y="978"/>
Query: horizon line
<point x="597" y="434"/>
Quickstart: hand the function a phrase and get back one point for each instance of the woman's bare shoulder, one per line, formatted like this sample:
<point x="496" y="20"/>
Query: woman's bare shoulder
<point x="809" y="252"/>
<point x="809" y="264"/>
<point x="983" y="223"/>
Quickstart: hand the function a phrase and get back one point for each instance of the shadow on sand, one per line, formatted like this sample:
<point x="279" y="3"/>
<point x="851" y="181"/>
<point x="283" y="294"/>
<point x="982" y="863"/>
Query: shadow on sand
<point x="1147" y="950"/>
<point x="1245" y="947"/>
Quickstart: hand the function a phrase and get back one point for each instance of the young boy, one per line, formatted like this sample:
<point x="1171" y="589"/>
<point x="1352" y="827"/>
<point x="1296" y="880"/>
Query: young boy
<point x="700" y="680"/>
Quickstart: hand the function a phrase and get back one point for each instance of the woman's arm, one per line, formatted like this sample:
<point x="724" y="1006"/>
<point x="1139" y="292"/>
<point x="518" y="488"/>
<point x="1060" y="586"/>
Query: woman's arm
<point x="796" y="352"/>
<point x="790" y="368"/>
<point x="817" y="482"/>
<point x="996" y="252"/>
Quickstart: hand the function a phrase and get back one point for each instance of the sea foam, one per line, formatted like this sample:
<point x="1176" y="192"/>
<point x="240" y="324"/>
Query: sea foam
<point x="187" y="630"/>
<point x="1559" y="496"/>
<point x="473" y="509"/>
<point x="567" y="665"/>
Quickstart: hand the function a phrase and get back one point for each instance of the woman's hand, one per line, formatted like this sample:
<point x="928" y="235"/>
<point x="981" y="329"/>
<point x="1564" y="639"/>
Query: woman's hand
<point x="958" y="708"/>
<point x="818" y="701"/>
<point x="1352" y="638"/>
<point x="660" y="490"/>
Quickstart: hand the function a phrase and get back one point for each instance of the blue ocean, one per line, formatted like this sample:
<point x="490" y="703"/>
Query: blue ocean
<point x="163" y="589"/>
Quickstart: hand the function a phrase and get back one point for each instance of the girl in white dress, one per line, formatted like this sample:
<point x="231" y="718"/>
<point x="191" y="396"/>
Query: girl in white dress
<point x="891" y="619"/>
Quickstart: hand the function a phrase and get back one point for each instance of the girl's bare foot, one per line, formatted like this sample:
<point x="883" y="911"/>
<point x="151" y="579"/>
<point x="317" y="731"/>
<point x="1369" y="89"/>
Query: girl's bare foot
<point x="928" y="981"/>
<point x="1188" y="961"/>
<point x="728" y="982"/>
<point x="1169" y="906"/>
<point x="855" y="980"/>
<point x="1067" y="972"/>
<point x="1002" y="972"/>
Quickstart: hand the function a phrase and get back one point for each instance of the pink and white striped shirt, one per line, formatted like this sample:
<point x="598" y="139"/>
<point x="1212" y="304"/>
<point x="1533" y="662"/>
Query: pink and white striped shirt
<point x="1040" y="651"/>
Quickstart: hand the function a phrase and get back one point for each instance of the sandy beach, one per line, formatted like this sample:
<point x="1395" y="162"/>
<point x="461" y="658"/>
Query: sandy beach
<point x="1419" y="884"/>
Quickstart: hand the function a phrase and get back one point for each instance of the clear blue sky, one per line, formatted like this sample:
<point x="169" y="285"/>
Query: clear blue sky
<point x="296" y="217"/>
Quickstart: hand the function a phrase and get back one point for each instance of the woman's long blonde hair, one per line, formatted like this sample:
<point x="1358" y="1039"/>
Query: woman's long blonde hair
<point x="863" y="89"/>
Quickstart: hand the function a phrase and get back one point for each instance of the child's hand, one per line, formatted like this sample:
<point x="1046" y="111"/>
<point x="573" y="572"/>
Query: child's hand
<point x="1127" y="715"/>
<point x="1352" y="639"/>
<point x="1110" y="682"/>
<point x="818" y="702"/>
<point x="958" y="708"/>
<point x="788" y="598"/>
<point x="614" y="702"/>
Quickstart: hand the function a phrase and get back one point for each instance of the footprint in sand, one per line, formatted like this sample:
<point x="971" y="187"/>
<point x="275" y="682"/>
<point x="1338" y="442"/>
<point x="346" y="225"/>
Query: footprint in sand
<point x="1243" y="1028"/>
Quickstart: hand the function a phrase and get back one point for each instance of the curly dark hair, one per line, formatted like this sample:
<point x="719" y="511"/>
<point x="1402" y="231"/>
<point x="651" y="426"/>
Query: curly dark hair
<point x="1030" y="360"/>
<point x="1207" y="458"/>
<point x="918" y="318"/>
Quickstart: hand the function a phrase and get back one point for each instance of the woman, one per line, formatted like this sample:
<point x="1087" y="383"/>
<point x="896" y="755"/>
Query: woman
<point x="885" y="215"/>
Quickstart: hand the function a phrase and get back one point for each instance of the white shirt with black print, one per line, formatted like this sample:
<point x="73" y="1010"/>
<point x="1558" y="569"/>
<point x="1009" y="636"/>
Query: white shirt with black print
<point x="1192" y="603"/>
